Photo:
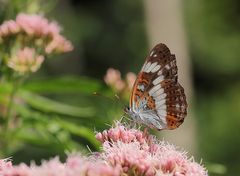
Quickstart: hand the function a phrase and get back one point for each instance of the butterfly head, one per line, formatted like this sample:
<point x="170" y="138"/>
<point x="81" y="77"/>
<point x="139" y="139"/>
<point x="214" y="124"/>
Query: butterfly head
<point x="131" y="113"/>
<point x="127" y="110"/>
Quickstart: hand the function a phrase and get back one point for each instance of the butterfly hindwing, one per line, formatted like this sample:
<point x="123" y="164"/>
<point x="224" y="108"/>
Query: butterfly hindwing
<point x="157" y="96"/>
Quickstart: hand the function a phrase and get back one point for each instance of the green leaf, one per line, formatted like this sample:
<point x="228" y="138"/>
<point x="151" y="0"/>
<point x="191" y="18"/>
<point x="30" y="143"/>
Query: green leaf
<point x="50" y="106"/>
<point x="79" y="131"/>
<point x="44" y="130"/>
<point x="53" y="124"/>
<point x="5" y="88"/>
<point x="64" y="85"/>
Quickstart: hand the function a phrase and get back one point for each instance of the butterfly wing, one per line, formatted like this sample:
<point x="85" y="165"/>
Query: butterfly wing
<point x="157" y="96"/>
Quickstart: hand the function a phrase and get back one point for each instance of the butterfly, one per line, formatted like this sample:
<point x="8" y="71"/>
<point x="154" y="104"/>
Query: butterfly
<point x="157" y="99"/>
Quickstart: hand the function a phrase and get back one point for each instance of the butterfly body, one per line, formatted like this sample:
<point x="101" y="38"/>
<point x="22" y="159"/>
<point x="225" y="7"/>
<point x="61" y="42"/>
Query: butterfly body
<point x="157" y="99"/>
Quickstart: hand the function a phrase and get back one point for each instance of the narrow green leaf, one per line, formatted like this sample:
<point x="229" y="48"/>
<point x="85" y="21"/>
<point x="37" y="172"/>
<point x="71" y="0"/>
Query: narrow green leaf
<point x="50" y="106"/>
<point x="53" y="123"/>
<point x="64" y="85"/>
<point x="79" y="131"/>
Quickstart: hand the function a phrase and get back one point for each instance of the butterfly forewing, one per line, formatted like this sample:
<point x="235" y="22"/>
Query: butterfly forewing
<point x="157" y="96"/>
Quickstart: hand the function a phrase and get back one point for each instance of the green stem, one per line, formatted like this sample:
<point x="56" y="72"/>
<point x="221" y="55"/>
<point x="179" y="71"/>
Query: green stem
<point x="16" y="84"/>
<point x="9" y="116"/>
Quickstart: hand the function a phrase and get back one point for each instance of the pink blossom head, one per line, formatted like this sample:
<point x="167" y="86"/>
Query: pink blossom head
<point x="130" y="77"/>
<point x="138" y="152"/>
<point x="8" y="28"/>
<point x="5" y="164"/>
<point x="74" y="165"/>
<point x="7" y="169"/>
<point x="113" y="79"/>
<point x="122" y="133"/>
<point x="38" y="30"/>
<point x="58" y="44"/>
<point x="37" y="25"/>
<point x="80" y="165"/>
<point x="25" y="60"/>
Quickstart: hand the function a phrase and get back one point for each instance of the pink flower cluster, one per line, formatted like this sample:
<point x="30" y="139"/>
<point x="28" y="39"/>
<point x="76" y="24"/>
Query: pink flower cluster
<point x="125" y="151"/>
<point x="8" y="28"/>
<point x="140" y="153"/>
<point x="5" y="164"/>
<point x="25" y="61"/>
<point x="120" y="133"/>
<point x="74" y="165"/>
<point x="37" y="26"/>
<point x="114" y="80"/>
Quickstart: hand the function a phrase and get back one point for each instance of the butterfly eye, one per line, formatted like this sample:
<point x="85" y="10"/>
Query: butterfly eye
<point x="126" y="109"/>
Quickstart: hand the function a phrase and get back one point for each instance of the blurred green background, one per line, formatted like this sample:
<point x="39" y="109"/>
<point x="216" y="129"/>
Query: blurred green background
<point x="61" y="111"/>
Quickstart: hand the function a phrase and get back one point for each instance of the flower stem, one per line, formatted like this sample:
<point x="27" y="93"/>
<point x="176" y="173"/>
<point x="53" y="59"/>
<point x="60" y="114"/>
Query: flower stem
<point x="8" y="116"/>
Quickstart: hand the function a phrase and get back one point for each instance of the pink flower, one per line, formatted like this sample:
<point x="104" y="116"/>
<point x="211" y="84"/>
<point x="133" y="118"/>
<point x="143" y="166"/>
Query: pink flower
<point x="112" y="76"/>
<point x="130" y="156"/>
<point x="138" y="152"/>
<point x="124" y="134"/>
<point x="78" y="165"/>
<point x="20" y="170"/>
<point x="36" y="28"/>
<point x="58" y="44"/>
<point x="5" y="164"/>
<point x="75" y="165"/>
<point x="37" y="25"/>
<point x="113" y="79"/>
<point x="9" y="27"/>
<point x="25" y="61"/>
<point x="130" y="77"/>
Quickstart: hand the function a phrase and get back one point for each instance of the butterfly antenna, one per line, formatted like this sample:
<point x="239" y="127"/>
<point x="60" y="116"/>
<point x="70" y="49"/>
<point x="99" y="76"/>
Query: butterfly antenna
<point x="120" y="101"/>
<point x="123" y="106"/>
<point x="101" y="95"/>
<point x="116" y="97"/>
